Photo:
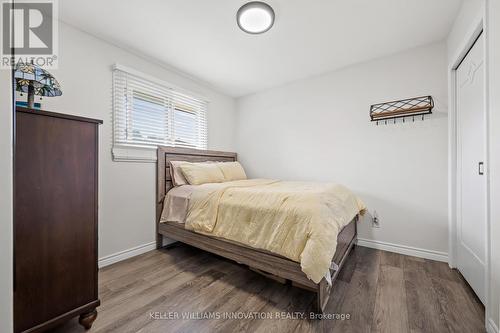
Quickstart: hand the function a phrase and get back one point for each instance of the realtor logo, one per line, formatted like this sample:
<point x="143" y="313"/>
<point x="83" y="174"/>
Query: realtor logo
<point x="29" y="33"/>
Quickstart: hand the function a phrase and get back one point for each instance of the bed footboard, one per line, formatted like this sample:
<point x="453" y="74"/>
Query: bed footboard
<point x="269" y="264"/>
<point x="345" y="243"/>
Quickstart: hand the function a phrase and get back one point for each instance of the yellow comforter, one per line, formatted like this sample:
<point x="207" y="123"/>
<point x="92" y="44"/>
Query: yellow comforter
<point x="297" y="220"/>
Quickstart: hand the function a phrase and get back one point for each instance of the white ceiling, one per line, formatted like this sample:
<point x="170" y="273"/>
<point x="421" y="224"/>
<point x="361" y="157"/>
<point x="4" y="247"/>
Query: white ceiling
<point x="202" y="39"/>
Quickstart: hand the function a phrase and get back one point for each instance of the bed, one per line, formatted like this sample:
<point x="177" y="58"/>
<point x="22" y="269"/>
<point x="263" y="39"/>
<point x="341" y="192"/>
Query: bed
<point x="269" y="264"/>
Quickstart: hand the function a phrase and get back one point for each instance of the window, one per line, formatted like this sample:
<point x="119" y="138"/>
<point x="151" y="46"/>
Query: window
<point x="148" y="113"/>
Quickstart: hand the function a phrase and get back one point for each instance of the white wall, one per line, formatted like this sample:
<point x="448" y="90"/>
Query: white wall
<point x="319" y="129"/>
<point x="493" y="34"/>
<point x="126" y="190"/>
<point x="6" y="314"/>
<point x="470" y="12"/>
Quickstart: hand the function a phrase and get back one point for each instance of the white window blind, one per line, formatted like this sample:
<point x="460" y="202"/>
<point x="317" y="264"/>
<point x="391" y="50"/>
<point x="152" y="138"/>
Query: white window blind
<point x="148" y="113"/>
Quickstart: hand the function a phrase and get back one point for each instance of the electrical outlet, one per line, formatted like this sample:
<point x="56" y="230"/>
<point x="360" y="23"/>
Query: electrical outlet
<point x="375" y="220"/>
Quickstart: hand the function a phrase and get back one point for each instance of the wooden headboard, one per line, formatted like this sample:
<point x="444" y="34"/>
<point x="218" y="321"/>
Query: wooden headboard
<point x="167" y="154"/>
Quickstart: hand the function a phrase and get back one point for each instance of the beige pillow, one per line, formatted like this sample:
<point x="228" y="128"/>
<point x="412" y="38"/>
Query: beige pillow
<point x="232" y="171"/>
<point x="201" y="173"/>
<point x="176" y="173"/>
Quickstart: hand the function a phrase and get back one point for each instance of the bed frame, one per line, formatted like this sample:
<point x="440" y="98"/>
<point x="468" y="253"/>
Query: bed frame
<point x="264" y="262"/>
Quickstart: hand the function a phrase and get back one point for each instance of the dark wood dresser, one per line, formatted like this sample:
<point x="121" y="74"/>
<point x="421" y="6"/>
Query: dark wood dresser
<point x="55" y="219"/>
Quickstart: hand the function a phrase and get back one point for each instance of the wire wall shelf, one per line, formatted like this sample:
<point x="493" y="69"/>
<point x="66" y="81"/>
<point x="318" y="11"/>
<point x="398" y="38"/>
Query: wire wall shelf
<point x="411" y="107"/>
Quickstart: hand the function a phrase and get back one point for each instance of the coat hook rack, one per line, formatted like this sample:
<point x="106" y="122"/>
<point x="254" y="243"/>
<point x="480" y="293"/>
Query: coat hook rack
<point x="411" y="107"/>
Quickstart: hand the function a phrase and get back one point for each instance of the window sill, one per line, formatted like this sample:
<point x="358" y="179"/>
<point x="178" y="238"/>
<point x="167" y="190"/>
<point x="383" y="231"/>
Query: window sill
<point x="134" y="154"/>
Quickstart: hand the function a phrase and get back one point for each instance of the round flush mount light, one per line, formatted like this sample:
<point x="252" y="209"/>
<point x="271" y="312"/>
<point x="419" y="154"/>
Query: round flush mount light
<point x="255" y="17"/>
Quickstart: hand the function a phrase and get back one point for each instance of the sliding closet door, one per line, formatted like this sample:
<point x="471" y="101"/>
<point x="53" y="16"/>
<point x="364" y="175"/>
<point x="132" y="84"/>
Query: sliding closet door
<point x="471" y="182"/>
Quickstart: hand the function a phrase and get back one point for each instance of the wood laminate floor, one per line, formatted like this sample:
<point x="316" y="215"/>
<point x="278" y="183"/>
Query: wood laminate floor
<point x="379" y="291"/>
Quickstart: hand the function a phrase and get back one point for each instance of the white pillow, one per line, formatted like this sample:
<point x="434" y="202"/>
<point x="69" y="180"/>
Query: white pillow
<point x="176" y="173"/>
<point x="232" y="171"/>
<point x="202" y="173"/>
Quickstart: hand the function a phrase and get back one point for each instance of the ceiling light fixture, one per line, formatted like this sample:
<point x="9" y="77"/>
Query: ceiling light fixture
<point x="255" y="17"/>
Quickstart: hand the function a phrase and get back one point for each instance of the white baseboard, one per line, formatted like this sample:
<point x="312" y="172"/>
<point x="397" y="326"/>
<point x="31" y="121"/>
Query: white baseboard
<point x="125" y="254"/>
<point x="403" y="249"/>
<point x="491" y="327"/>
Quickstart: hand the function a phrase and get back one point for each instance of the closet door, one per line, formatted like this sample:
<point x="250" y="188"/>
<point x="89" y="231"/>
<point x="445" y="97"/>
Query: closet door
<point x="471" y="171"/>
